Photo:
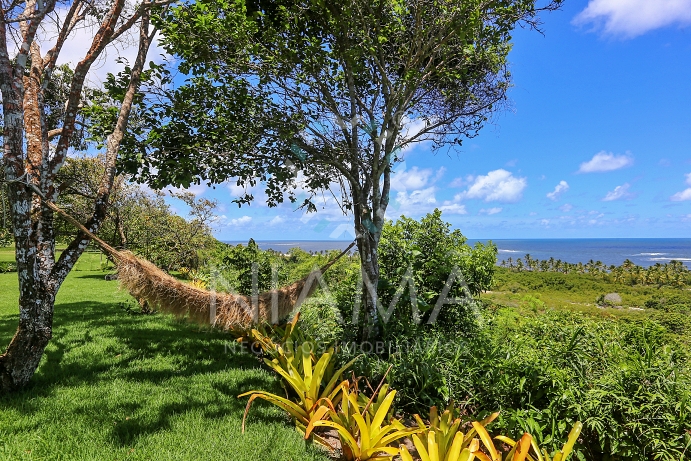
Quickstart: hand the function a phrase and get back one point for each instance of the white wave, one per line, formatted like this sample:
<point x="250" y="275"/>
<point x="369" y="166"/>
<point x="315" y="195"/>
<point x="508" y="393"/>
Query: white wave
<point x="651" y="254"/>
<point x="509" y="251"/>
<point x="669" y="259"/>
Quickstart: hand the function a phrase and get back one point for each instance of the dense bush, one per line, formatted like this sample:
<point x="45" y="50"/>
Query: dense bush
<point x="625" y="381"/>
<point x="440" y="265"/>
<point x="238" y="268"/>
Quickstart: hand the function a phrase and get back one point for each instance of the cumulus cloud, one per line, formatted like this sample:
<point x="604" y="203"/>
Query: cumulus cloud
<point x="244" y="220"/>
<point x="566" y="207"/>
<point x="417" y="197"/>
<point x="685" y="194"/>
<point x="605" y="161"/>
<point x="682" y="196"/>
<point x="496" y="186"/>
<point x="490" y="211"/>
<point x="562" y="187"/>
<point x="276" y="221"/>
<point x="619" y="193"/>
<point x="415" y="178"/>
<point x="453" y="208"/>
<point x="630" y="18"/>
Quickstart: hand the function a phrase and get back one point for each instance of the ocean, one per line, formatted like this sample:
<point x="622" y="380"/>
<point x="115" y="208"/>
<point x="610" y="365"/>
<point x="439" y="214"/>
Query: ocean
<point x="643" y="252"/>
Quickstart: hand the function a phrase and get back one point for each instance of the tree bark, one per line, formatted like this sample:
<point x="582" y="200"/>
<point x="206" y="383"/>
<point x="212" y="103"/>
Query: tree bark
<point x="30" y="177"/>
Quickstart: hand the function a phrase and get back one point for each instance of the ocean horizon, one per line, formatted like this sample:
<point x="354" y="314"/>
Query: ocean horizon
<point x="644" y="252"/>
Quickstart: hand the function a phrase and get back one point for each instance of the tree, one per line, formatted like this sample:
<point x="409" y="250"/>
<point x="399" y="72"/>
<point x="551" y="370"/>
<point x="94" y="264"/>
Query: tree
<point x="334" y="89"/>
<point x="5" y="221"/>
<point x="38" y="134"/>
<point x="135" y="219"/>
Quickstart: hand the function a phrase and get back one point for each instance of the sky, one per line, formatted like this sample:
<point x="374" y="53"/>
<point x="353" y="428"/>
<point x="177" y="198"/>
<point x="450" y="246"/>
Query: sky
<point x="596" y="142"/>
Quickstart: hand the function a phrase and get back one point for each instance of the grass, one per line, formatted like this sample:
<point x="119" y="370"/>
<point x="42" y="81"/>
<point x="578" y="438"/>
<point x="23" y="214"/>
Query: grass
<point x="572" y="291"/>
<point x="531" y="293"/>
<point x="113" y="385"/>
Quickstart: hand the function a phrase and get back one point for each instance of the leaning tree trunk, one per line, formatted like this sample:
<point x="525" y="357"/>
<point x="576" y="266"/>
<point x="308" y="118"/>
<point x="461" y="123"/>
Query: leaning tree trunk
<point x="31" y="175"/>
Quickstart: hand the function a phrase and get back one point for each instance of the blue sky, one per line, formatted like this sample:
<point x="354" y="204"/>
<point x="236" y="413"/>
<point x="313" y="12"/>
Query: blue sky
<point x="597" y="142"/>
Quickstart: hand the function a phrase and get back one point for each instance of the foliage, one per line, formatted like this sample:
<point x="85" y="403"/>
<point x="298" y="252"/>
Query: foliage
<point x="7" y="267"/>
<point x="137" y="220"/>
<point x="321" y="320"/>
<point x="323" y="95"/>
<point x="439" y="265"/>
<point x="311" y="381"/>
<point x="241" y="267"/>
<point x="631" y="390"/>
<point x="251" y="270"/>
<point x="443" y="440"/>
<point x="673" y="274"/>
<point x="520" y="449"/>
<point x="364" y="426"/>
<point x="626" y="379"/>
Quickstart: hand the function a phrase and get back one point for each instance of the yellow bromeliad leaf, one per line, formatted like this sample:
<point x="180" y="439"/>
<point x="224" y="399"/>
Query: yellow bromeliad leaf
<point x="487" y="441"/>
<point x="343" y="434"/>
<point x="454" y="452"/>
<point x="522" y="448"/>
<point x="421" y="449"/>
<point x="295" y="410"/>
<point x="568" y="446"/>
<point x="405" y="454"/>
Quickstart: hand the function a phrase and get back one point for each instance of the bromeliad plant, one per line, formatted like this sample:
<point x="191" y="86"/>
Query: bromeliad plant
<point x="525" y="443"/>
<point x="364" y="426"/>
<point x="442" y="440"/>
<point x="314" y="383"/>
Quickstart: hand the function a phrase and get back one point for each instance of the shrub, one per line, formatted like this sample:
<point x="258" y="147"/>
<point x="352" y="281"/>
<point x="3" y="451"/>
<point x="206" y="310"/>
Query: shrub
<point x="439" y="263"/>
<point x="321" y="320"/>
<point x="7" y="267"/>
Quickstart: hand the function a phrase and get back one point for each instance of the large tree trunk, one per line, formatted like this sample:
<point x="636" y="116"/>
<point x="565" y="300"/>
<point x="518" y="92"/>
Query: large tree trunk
<point x="22" y="357"/>
<point x="31" y="177"/>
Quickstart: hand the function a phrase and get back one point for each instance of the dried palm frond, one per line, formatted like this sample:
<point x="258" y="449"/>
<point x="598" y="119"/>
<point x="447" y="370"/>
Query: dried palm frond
<point x="147" y="282"/>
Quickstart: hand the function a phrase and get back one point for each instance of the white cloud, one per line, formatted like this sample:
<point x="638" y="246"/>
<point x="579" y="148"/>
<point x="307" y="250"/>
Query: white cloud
<point x="453" y="208"/>
<point x="630" y="18"/>
<point x="417" y="197"/>
<point x="461" y="182"/>
<point x="619" y="193"/>
<point x="79" y="41"/>
<point x="491" y="211"/>
<point x="562" y="187"/>
<point x="682" y="196"/>
<point x="415" y="178"/>
<point x="276" y="221"/>
<point x="497" y="186"/>
<point x="566" y="207"/>
<point x="685" y="194"/>
<point x="603" y="161"/>
<point x="240" y="221"/>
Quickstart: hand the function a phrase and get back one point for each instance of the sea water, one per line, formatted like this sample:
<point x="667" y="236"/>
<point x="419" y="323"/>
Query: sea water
<point x="643" y="252"/>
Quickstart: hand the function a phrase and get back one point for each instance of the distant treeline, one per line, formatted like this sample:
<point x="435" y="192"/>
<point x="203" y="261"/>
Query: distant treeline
<point x="673" y="274"/>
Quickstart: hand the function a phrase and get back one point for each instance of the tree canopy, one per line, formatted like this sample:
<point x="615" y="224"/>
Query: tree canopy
<point x="328" y="95"/>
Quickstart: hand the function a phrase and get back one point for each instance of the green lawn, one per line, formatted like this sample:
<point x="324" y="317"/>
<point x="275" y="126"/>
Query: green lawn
<point x="114" y="385"/>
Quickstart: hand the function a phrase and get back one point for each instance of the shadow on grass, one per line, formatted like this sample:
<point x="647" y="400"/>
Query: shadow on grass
<point x="96" y="343"/>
